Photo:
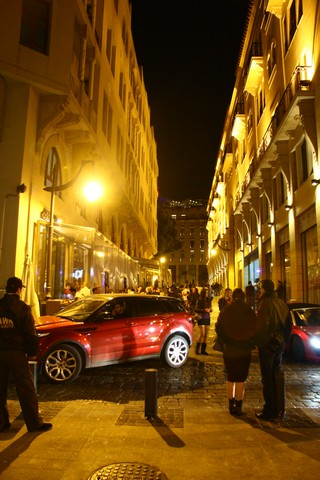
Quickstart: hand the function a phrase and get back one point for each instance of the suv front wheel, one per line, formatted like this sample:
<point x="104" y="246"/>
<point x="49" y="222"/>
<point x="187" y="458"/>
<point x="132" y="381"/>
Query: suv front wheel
<point x="62" y="364"/>
<point x="176" y="351"/>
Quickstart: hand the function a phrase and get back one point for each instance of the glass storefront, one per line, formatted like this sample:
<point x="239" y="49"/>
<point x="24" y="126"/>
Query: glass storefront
<point x="83" y="255"/>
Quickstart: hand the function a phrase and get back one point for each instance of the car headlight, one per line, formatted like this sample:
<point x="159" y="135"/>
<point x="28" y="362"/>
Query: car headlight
<point x="315" y="342"/>
<point x="44" y="334"/>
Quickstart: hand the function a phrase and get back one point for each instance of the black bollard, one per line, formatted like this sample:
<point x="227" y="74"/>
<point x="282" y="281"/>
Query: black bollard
<point x="151" y="393"/>
<point x="34" y="370"/>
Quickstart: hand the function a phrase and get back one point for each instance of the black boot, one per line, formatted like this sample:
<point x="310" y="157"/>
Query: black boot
<point x="203" y="349"/>
<point x="232" y="406"/>
<point x="238" y="408"/>
<point x="198" y="348"/>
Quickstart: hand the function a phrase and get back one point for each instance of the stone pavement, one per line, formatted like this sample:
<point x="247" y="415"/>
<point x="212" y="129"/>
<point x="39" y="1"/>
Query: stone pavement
<point x="100" y="430"/>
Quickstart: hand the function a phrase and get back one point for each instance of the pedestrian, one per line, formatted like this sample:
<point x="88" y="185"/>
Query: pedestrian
<point x="18" y="343"/>
<point x="185" y="294"/>
<point x="236" y="328"/>
<point x="203" y="308"/>
<point x="250" y="294"/>
<point x="225" y="299"/>
<point x="274" y="323"/>
<point x="83" y="292"/>
<point x="193" y="299"/>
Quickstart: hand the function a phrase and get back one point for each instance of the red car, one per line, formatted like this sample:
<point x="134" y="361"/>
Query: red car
<point x="304" y="343"/>
<point x="106" y="329"/>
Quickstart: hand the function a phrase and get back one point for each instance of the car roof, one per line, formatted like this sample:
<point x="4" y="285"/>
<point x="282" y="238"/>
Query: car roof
<point x="110" y="296"/>
<point x="297" y="305"/>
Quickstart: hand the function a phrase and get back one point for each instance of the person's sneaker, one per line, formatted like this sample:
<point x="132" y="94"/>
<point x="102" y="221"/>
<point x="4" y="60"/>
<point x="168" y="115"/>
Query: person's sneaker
<point x="43" y="428"/>
<point x="6" y="426"/>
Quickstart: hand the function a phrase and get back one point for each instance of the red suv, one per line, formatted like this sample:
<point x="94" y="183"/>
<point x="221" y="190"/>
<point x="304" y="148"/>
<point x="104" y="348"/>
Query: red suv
<point x="106" y="329"/>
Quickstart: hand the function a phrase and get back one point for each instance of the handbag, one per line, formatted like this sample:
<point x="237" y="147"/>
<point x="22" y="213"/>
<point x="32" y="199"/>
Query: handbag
<point x="217" y="345"/>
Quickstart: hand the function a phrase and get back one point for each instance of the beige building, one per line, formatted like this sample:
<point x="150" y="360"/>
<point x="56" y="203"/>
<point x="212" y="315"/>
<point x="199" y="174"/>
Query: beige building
<point x="73" y="108"/>
<point x="264" y="205"/>
<point x="188" y="264"/>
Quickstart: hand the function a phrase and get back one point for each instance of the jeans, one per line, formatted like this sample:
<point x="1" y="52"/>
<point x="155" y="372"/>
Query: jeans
<point x="273" y="381"/>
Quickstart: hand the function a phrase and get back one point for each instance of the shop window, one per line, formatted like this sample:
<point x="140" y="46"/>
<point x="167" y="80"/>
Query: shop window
<point x="35" y="25"/>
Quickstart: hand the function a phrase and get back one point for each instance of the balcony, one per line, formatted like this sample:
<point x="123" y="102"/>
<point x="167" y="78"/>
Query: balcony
<point x="300" y="87"/>
<point x="255" y="69"/>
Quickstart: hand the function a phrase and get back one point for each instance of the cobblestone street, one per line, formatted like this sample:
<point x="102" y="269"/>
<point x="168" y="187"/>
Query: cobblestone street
<point x="200" y="379"/>
<point x="99" y="422"/>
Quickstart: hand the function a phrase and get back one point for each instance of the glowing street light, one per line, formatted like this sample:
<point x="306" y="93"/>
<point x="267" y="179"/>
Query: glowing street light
<point x="93" y="191"/>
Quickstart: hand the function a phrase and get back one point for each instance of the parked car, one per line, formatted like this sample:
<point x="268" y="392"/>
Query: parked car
<point x="106" y="329"/>
<point x="304" y="343"/>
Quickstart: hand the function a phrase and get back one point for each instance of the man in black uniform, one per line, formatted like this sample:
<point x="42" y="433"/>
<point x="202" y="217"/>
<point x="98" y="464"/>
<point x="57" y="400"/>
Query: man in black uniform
<point x="18" y="342"/>
<point x="275" y="325"/>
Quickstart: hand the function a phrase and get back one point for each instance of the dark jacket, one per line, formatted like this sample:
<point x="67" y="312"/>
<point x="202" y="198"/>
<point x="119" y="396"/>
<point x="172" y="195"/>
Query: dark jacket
<point x="17" y="330"/>
<point x="237" y="325"/>
<point x="203" y="303"/>
<point x="274" y="321"/>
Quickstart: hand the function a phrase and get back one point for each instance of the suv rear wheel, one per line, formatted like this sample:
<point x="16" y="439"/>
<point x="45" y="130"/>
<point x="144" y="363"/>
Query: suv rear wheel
<point x="176" y="351"/>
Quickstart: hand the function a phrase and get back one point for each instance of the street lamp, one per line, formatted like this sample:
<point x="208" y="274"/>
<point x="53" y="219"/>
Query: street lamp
<point x="53" y="189"/>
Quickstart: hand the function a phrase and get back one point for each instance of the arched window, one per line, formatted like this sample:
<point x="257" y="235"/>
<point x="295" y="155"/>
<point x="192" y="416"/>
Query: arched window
<point x="53" y="168"/>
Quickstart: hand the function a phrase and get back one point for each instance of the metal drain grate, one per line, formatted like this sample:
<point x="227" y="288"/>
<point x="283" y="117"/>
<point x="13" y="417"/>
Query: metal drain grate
<point x="134" y="416"/>
<point x="128" y="471"/>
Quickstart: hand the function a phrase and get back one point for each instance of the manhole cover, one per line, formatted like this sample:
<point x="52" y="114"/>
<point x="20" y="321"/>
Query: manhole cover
<point x="128" y="471"/>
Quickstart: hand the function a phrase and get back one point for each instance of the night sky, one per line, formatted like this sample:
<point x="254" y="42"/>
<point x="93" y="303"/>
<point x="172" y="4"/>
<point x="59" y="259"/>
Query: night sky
<point x="188" y="50"/>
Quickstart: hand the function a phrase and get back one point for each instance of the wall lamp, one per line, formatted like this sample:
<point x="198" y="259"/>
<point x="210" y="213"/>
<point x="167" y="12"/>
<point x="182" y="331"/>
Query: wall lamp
<point x="258" y="235"/>
<point x="315" y="182"/>
<point x="216" y="243"/>
<point x="270" y="224"/>
<point x="288" y="207"/>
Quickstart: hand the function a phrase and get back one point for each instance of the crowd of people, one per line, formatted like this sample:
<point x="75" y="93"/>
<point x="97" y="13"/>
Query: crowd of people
<point x="244" y="323"/>
<point x="254" y="318"/>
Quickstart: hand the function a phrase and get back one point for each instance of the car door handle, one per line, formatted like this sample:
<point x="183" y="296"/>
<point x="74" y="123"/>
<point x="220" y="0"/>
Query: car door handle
<point x="130" y="323"/>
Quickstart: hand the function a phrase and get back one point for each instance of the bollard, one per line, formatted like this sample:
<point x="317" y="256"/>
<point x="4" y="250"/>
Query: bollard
<point x="34" y="370"/>
<point x="151" y="393"/>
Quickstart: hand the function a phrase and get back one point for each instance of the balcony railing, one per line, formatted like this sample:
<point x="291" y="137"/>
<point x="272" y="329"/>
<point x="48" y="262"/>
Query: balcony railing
<point x="299" y="82"/>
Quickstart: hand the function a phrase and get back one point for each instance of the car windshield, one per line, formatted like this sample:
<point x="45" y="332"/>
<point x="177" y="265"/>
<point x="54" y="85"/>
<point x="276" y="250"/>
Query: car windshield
<point x="308" y="317"/>
<point x="81" y="309"/>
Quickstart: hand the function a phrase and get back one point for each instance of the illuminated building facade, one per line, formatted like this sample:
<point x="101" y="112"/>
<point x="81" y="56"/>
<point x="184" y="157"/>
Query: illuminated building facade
<point x="71" y="91"/>
<point x="188" y="264"/>
<point x="264" y="205"/>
